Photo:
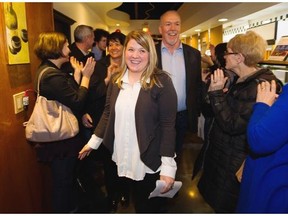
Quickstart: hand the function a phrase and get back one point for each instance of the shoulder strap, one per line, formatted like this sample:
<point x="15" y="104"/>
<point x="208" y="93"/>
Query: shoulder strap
<point x="39" y="78"/>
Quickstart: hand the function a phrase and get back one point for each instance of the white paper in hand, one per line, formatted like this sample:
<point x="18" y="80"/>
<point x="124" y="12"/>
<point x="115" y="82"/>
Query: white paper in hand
<point x="159" y="186"/>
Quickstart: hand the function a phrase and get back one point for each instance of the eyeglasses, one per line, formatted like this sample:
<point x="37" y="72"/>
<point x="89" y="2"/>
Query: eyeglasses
<point x="229" y="53"/>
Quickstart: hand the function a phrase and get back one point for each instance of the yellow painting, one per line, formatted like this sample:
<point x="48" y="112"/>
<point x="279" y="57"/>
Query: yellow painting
<point x="16" y="32"/>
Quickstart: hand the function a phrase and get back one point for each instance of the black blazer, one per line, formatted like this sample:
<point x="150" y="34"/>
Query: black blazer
<point x="192" y="58"/>
<point x="58" y="85"/>
<point x="77" y="53"/>
<point x="155" y="115"/>
<point x="97" y="91"/>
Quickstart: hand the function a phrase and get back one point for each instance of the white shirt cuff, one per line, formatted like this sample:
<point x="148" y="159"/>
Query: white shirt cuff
<point x="168" y="167"/>
<point x="94" y="142"/>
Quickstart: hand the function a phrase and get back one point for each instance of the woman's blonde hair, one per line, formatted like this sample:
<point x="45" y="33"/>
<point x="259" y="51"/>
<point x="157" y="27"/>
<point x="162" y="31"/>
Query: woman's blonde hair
<point x="146" y="41"/>
<point x="49" y="45"/>
<point x="251" y="45"/>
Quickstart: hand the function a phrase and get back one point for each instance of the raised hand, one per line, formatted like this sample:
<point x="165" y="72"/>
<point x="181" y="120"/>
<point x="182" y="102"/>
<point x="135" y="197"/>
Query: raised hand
<point x="88" y="69"/>
<point x="266" y="92"/>
<point x="218" y="80"/>
<point x="113" y="68"/>
<point x="76" y="64"/>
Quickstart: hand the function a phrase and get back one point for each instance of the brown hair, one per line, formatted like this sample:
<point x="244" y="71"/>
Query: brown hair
<point x="50" y="45"/>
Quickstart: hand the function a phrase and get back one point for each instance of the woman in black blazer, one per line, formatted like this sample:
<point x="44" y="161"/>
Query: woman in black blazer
<point x="52" y="48"/>
<point x="138" y="123"/>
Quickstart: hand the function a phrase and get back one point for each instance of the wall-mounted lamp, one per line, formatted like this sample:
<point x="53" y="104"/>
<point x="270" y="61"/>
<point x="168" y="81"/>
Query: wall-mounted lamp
<point x="145" y="27"/>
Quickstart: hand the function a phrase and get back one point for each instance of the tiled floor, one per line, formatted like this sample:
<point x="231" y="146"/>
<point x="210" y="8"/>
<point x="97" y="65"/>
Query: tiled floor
<point x="188" y="199"/>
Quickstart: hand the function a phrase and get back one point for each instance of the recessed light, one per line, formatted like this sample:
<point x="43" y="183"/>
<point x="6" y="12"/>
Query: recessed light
<point x="265" y="22"/>
<point x="117" y="24"/>
<point x="222" y="20"/>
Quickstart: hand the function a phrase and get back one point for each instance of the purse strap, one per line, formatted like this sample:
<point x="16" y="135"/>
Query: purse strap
<point x="39" y="78"/>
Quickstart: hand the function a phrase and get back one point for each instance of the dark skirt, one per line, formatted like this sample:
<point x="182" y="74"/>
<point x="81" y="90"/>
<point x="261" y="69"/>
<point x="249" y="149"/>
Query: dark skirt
<point x="47" y="152"/>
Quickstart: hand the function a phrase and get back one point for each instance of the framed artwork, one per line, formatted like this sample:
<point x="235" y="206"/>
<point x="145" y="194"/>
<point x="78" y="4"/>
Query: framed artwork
<point x="16" y="33"/>
<point x="280" y="51"/>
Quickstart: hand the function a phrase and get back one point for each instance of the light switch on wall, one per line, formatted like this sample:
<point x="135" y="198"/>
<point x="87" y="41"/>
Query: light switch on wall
<point x="18" y="102"/>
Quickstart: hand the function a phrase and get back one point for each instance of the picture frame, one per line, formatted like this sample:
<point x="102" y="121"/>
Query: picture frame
<point x="16" y="33"/>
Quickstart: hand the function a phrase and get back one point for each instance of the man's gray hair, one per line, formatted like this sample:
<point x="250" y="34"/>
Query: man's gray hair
<point x="81" y="32"/>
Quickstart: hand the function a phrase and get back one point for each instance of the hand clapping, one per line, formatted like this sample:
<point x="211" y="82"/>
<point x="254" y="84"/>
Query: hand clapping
<point x="88" y="69"/>
<point x="266" y="92"/>
<point x="217" y="80"/>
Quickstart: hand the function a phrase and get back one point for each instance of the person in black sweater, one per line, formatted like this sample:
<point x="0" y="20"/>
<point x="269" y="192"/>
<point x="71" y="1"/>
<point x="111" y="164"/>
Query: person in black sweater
<point x="214" y="62"/>
<point x="52" y="49"/>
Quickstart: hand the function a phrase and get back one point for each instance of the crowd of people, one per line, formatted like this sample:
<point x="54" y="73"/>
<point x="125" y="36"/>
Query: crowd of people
<point x="136" y="103"/>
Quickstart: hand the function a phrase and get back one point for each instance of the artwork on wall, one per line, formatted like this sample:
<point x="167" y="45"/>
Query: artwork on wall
<point x="280" y="51"/>
<point x="16" y="33"/>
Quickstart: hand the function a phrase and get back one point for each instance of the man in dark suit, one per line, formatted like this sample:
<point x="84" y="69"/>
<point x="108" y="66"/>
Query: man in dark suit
<point x="87" y="169"/>
<point x="183" y="62"/>
<point x="81" y="48"/>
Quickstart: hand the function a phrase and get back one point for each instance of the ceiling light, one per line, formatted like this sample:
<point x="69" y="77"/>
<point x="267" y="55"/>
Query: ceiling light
<point x="198" y="30"/>
<point x="117" y="24"/>
<point x="265" y="22"/>
<point x="223" y="20"/>
<point x="183" y="35"/>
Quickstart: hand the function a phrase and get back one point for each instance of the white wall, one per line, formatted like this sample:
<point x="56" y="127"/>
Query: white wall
<point x="81" y="14"/>
<point x="137" y="25"/>
<point x="282" y="29"/>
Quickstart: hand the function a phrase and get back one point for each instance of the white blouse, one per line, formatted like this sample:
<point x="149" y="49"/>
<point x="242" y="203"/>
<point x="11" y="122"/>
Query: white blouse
<point x="126" y="152"/>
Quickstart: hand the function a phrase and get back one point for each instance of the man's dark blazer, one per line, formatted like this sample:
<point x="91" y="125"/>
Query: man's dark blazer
<point x="192" y="58"/>
<point x="77" y="53"/>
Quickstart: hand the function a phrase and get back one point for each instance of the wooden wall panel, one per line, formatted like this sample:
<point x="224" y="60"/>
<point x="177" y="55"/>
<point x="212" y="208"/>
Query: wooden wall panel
<point x="216" y="35"/>
<point x="24" y="183"/>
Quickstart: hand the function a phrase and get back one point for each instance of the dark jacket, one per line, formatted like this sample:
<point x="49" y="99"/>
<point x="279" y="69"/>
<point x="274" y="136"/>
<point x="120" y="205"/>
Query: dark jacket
<point x="208" y="114"/>
<point x="97" y="91"/>
<point x="78" y="54"/>
<point x="227" y="142"/>
<point x="58" y="85"/>
<point x="155" y="115"/>
<point x="192" y="58"/>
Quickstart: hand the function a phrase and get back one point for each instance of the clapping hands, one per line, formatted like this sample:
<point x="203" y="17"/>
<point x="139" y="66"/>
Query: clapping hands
<point x="79" y="67"/>
<point x="113" y="68"/>
<point x="88" y="69"/>
<point x="218" y="80"/>
<point x="266" y="92"/>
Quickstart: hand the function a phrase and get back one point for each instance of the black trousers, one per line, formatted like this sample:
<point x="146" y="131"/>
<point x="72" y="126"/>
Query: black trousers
<point x="64" y="194"/>
<point x="181" y="127"/>
<point x="141" y="191"/>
